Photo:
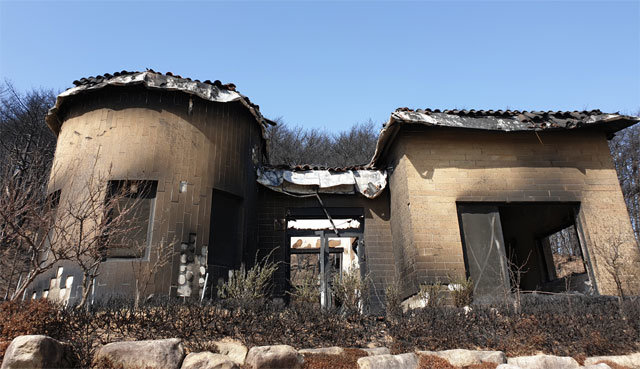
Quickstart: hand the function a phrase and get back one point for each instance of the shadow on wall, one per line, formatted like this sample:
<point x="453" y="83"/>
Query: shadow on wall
<point x="448" y="148"/>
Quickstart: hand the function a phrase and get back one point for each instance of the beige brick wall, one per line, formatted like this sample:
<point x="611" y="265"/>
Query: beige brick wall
<point x="404" y="249"/>
<point x="435" y="168"/>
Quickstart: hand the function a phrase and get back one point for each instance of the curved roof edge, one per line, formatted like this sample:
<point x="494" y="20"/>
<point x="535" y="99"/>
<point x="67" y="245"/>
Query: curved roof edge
<point x="210" y="91"/>
<point x="505" y="121"/>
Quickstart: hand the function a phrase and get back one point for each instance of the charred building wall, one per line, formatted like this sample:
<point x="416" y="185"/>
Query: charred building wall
<point x="193" y="151"/>
<point x="447" y="195"/>
<point x="437" y="170"/>
<point x="277" y="208"/>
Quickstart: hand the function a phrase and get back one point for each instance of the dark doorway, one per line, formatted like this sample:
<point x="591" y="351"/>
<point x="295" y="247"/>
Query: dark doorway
<point x="225" y="234"/>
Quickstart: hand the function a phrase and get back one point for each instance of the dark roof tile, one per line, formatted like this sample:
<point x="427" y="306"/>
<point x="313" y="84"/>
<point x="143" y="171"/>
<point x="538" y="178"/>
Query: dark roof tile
<point x="499" y="120"/>
<point x="100" y="78"/>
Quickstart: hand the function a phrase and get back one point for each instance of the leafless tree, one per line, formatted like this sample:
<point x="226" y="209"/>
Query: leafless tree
<point x="356" y="145"/>
<point x="145" y="271"/>
<point x="565" y="242"/>
<point x="41" y="230"/>
<point x="625" y="149"/>
<point x="26" y="152"/>
<point x="295" y="145"/>
<point x="615" y="257"/>
<point x="26" y="143"/>
<point x="98" y="221"/>
<point x="27" y="220"/>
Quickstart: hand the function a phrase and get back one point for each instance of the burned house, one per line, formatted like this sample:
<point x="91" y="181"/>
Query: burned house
<point x="447" y="195"/>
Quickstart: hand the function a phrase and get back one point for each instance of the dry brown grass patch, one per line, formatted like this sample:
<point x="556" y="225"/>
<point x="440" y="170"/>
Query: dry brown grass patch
<point x="434" y="362"/>
<point x="347" y="360"/>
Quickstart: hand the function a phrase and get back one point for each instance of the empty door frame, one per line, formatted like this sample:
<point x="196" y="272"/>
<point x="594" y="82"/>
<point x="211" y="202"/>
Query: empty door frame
<point x="317" y="213"/>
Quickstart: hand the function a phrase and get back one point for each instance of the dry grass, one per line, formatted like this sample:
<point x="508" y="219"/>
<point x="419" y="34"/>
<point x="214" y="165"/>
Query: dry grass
<point x="482" y="366"/>
<point x="33" y="317"/>
<point x="579" y="327"/>
<point x="347" y="360"/>
<point x="434" y="362"/>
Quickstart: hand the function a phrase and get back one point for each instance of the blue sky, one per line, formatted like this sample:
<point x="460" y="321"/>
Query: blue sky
<point x="332" y="64"/>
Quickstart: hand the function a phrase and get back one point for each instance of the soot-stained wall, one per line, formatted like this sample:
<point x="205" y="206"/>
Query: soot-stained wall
<point x="137" y="134"/>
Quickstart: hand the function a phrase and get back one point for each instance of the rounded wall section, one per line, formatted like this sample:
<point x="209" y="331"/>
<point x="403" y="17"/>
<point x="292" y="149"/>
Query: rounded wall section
<point x="186" y="148"/>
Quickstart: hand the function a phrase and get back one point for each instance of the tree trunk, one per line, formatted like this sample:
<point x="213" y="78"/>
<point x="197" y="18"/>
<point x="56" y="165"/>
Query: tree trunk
<point x="87" y="282"/>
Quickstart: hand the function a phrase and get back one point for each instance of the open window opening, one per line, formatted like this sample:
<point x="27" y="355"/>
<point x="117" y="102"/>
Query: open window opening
<point x="524" y="246"/>
<point x="566" y="269"/>
<point x="130" y="206"/>
<point x="321" y="250"/>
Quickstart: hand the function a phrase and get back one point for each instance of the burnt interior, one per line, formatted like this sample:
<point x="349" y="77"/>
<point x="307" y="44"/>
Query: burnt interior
<point x="225" y="236"/>
<point x="524" y="246"/>
<point x="320" y="249"/>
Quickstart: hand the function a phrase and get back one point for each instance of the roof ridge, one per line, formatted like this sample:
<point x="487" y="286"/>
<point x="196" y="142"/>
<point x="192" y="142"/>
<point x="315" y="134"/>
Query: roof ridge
<point x="91" y="80"/>
<point x="303" y="167"/>
<point x="507" y="112"/>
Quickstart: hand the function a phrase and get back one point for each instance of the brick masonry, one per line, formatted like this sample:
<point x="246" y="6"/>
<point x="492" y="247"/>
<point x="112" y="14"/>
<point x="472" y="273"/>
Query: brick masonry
<point x="411" y="231"/>
<point x="153" y="135"/>
<point x="434" y="168"/>
<point x="272" y="216"/>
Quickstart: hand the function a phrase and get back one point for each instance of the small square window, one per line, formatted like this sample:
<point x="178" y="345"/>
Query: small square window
<point x="130" y="206"/>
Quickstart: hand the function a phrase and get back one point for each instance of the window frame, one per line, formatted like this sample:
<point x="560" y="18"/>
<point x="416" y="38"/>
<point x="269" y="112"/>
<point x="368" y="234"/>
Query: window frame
<point x="120" y="183"/>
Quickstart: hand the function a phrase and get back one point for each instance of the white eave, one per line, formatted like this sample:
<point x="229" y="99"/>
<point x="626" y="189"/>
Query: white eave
<point x="368" y="182"/>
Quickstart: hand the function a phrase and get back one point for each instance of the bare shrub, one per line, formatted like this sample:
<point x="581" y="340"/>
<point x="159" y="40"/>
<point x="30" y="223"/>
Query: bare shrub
<point x="350" y="290"/>
<point x="249" y="285"/>
<point x="512" y="293"/>
<point x="593" y="326"/>
<point x="433" y="293"/>
<point x="145" y="271"/>
<point x="99" y="220"/>
<point x="393" y="299"/>
<point x="29" y="317"/>
<point x="306" y="290"/>
<point x="461" y="291"/>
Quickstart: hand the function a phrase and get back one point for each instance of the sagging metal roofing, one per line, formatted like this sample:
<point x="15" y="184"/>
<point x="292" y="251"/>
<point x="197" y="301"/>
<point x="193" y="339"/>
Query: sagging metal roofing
<point x="368" y="182"/>
<point x="498" y="120"/>
<point x="207" y="90"/>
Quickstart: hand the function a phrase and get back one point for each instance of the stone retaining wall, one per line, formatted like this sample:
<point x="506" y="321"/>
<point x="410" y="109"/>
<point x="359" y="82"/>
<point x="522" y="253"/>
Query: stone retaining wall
<point x="38" y="351"/>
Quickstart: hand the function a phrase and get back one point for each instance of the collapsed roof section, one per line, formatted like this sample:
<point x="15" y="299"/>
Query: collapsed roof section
<point x="368" y="182"/>
<point x="498" y="120"/>
<point x="207" y="90"/>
